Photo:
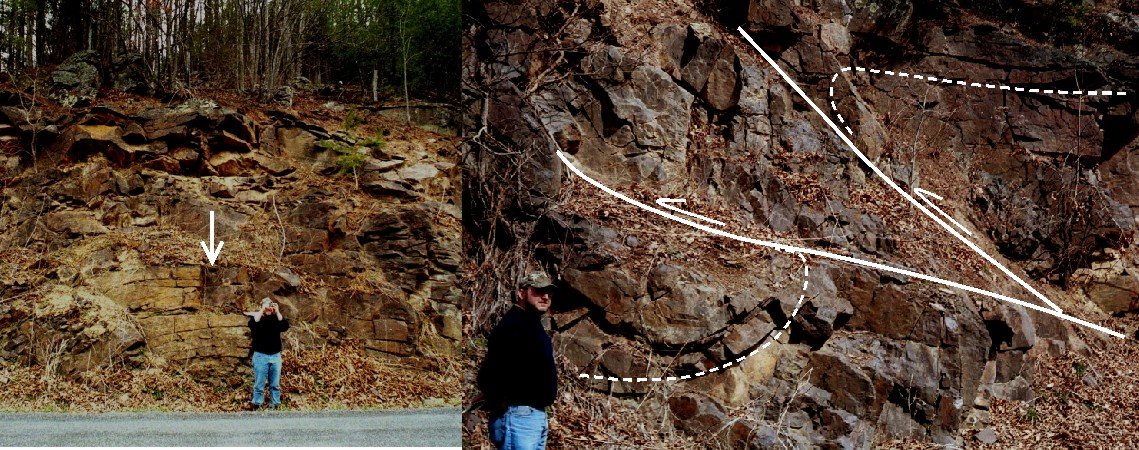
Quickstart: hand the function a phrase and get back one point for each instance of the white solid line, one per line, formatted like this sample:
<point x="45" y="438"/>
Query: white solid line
<point x="890" y="182"/>
<point x="922" y="193"/>
<point x="664" y="202"/>
<point x="820" y="253"/>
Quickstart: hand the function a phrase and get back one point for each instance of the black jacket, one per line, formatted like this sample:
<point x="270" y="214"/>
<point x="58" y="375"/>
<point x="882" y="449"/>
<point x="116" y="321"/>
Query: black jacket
<point x="267" y="334"/>
<point x="519" y="366"/>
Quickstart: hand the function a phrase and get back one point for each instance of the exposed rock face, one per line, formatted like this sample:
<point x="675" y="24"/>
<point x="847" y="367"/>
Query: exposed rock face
<point x="70" y="330"/>
<point x="77" y="79"/>
<point x="111" y="232"/>
<point x="866" y="353"/>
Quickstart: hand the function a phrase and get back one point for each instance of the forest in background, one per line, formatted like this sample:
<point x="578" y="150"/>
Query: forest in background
<point x="386" y="48"/>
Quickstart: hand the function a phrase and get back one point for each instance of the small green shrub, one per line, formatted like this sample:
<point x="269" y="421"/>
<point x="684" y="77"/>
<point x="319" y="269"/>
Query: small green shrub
<point x="1031" y="415"/>
<point x="352" y="120"/>
<point x="1080" y="369"/>
<point x="375" y="143"/>
<point x="348" y="161"/>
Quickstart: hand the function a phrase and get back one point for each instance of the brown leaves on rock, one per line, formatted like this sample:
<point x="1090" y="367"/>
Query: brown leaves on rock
<point x="1081" y="402"/>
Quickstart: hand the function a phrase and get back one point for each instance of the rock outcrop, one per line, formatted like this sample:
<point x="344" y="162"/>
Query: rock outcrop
<point x="103" y="224"/>
<point x="693" y="112"/>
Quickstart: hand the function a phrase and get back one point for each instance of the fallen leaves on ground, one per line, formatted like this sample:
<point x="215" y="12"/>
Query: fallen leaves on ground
<point x="331" y="377"/>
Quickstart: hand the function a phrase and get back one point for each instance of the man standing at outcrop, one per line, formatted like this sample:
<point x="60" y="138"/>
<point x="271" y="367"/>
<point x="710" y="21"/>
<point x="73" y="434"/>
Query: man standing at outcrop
<point x="266" y="326"/>
<point x="518" y="376"/>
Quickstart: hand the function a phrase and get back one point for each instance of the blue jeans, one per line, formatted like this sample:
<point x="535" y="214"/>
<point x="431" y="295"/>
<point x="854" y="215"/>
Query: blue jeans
<point x="266" y="366"/>
<point x="519" y="428"/>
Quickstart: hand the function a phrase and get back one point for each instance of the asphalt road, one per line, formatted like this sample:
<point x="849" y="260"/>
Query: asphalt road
<point x="406" y="428"/>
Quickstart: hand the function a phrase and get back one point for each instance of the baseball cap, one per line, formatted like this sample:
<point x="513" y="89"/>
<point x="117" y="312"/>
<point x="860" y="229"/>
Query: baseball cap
<point x="536" y="279"/>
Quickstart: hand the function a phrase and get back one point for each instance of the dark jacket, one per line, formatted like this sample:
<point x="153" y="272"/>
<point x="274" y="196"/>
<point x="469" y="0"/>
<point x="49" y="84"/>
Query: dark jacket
<point x="267" y="334"/>
<point x="519" y="366"/>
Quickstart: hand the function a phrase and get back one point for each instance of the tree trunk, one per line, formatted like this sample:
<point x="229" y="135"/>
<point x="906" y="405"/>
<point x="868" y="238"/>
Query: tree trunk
<point x="375" y="85"/>
<point x="404" y="44"/>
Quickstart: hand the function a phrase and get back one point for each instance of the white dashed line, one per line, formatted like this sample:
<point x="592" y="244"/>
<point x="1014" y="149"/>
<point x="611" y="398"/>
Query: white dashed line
<point x="842" y="120"/>
<point x="774" y="337"/>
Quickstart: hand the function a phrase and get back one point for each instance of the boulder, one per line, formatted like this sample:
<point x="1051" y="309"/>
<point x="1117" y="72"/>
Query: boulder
<point x="684" y="307"/>
<point x="1116" y="293"/>
<point x="128" y="71"/>
<point x="697" y="413"/>
<point x="612" y="290"/>
<point x="79" y="142"/>
<point x="582" y="343"/>
<point x="78" y="76"/>
<point x="74" y="222"/>
<point x="283" y="96"/>
<point x="658" y="111"/>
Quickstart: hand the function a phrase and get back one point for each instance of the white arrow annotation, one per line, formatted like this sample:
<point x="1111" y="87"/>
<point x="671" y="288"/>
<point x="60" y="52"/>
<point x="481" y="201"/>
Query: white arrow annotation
<point x="212" y="254"/>
<point x="664" y="202"/>
<point x="924" y="195"/>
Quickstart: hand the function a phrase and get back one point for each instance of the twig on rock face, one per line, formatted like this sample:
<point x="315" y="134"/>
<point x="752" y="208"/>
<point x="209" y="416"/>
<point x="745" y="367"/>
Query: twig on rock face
<point x="281" y="225"/>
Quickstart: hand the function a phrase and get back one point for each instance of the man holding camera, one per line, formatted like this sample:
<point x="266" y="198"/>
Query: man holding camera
<point x="266" y="326"/>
